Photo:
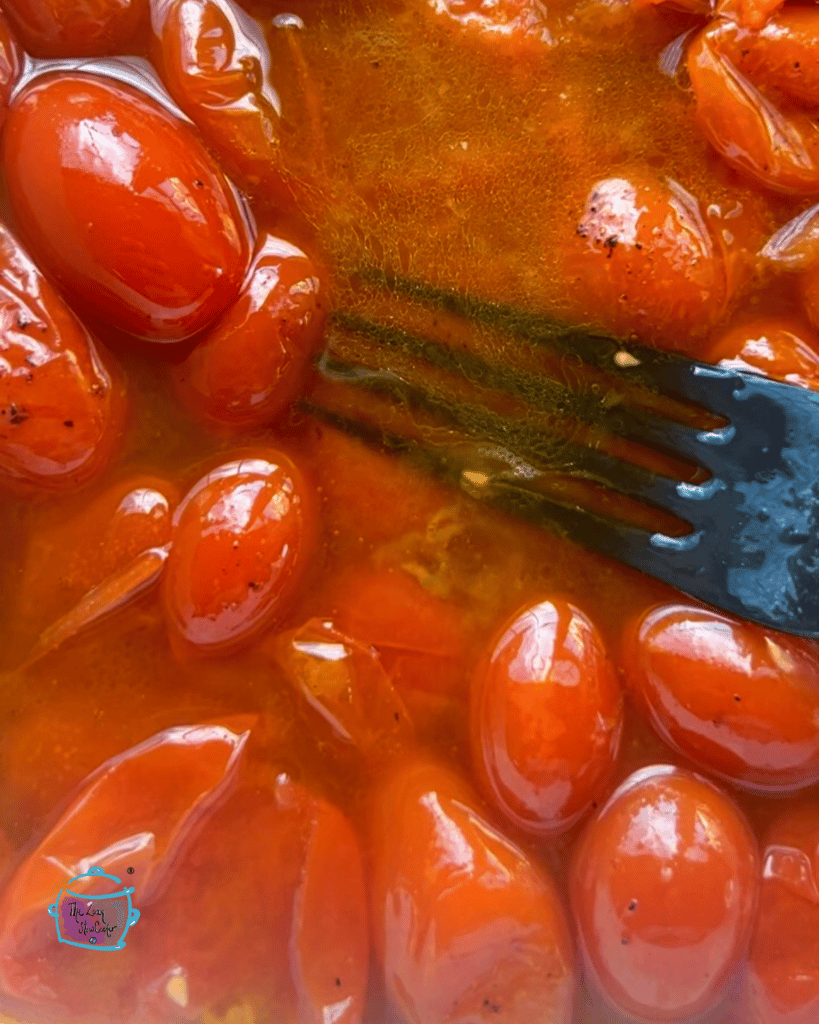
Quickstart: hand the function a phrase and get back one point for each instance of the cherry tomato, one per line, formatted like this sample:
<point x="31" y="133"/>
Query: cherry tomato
<point x="465" y="925"/>
<point x="269" y="903"/>
<point x="344" y="684"/>
<point x="784" y="969"/>
<point x="136" y="810"/>
<point x="75" y="28"/>
<point x="9" y="66"/>
<point x="122" y="204"/>
<point x="777" y="146"/>
<point x="216" y="65"/>
<point x="809" y="288"/>
<point x="774" y="347"/>
<point x="242" y="538"/>
<point x="664" y="889"/>
<point x="547" y="714"/>
<point x="512" y="28"/>
<point x="252" y="363"/>
<point x="644" y="261"/>
<point x="61" y="407"/>
<point x="741" y="701"/>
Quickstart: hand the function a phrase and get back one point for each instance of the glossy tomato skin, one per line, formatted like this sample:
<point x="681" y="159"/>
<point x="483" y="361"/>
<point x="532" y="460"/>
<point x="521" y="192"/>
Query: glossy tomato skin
<point x="137" y="223"/>
<point x="664" y="890"/>
<point x="467" y="928"/>
<point x="780" y="348"/>
<point x="242" y="538"/>
<point x="547" y="715"/>
<point x="75" y="28"/>
<point x="252" y="363"/>
<point x="784" y="969"/>
<point x="9" y="65"/>
<point x="61" y="406"/>
<point x="215" y="63"/>
<point x="738" y="699"/>
<point x="644" y="261"/>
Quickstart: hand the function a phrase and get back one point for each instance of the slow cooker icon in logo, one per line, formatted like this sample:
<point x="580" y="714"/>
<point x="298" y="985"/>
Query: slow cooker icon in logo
<point x="87" y="915"/>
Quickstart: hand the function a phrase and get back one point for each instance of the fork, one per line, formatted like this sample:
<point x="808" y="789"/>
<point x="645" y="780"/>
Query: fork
<point x="704" y="477"/>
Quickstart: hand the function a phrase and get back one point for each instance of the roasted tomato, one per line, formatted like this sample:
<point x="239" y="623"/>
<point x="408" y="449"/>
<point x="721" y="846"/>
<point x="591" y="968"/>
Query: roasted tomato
<point x="60" y="407"/>
<point x="253" y="362"/>
<point x="781" y="349"/>
<point x="75" y="28"/>
<point x="242" y="537"/>
<point x="644" y="261"/>
<point x="119" y="200"/>
<point x="664" y="889"/>
<point x="216" y="65"/>
<point x="546" y="718"/>
<point x="740" y="700"/>
<point x="784" y="970"/>
<point x="467" y="928"/>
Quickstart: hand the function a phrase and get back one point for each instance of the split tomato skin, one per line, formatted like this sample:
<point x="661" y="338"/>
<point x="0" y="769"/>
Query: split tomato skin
<point x="740" y="700"/>
<point x="61" y="406"/>
<point x="252" y="363"/>
<point x="242" y="538"/>
<point x="119" y="201"/>
<point x="664" y="889"/>
<point x="547" y="714"/>
<point x="467" y="928"/>
<point x="75" y="28"/>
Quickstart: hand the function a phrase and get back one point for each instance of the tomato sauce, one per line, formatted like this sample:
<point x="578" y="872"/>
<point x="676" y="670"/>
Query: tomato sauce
<point x="366" y="751"/>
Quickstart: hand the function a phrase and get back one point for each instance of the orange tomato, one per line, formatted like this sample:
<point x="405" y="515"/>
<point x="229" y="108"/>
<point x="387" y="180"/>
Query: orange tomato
<point x="738" y="699"/>
<point x="242" y="537"/>
<point x="777" y="348"/>
<point x="75" y="28"/>
<point x="467" y="928"/>
<point x="664" y="889"/>
<point x="252" y="363"/>
<point x="61" y="406"/>
<point x="119" y="200"/>
<point x="547" y="714"/>
<point x="215" y="64"/>
<point x="644" y="261"/>
<point x="784" y="968"/>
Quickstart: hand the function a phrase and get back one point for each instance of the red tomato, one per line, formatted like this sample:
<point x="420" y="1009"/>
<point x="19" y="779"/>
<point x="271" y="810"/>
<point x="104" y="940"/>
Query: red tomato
<point x="740" y="700"/>
<point x="9" y="66"/>
<point x="777" y="146"/>
<point x="252" y="363"/>
<point x="269" y="904"/>
<point x="60" y="407"/>
<point x="345" y="685"/>
<point x="547" y="714"/>
<point x="75" y="28"/>
<point x="771" y="346"/>
<point x="664" y="889"/>
<point x="784" y="970"/>
<point x="216" y="65"/>
<point x="242" y="538"/>
<point x="644" y="261"/>
<point x="137" y="810"/>
<point x="122" y="204"/>
<point x="465" y="925"/>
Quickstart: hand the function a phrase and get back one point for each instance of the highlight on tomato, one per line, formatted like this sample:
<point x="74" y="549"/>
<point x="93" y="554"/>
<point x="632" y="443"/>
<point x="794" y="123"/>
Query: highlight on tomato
<point x="664" y="889"/>
<point x="781" y="348"/>
<point x="120" y="202"/>
<point x="242" y="539"/>
<point x="547" y="715"/>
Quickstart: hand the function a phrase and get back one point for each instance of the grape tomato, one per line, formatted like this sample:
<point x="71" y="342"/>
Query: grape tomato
<point x="664" y="890"/>
<point x="121" y="203"/>
<point x="241" y="541"/>
<point x="546" y="718"/>
<point x="740" y="700"/>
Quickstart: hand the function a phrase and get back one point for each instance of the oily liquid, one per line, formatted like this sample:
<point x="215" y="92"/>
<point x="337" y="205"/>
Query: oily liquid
<point x="433" y="154"/>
